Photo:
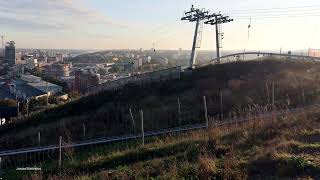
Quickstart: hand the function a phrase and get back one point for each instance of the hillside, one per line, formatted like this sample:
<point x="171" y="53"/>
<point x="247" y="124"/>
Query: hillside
<point x="244" y="86"/>
<point x="280" y="147"/>
<point x="96" y="57"/>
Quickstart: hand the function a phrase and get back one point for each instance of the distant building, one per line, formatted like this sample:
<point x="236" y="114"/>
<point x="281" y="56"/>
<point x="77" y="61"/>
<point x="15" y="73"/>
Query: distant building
<point x="10" y="53"/>
<point x="59" y="57"/>
<point x="84" y="80"/>
<point x="70" y="80"/>
<point x="31" y="62"/>
<point x="52" y="59"/>
<point x="57" y="70"/>
<point x="314" y="52"/>
<point x="16" y="70"/>
<point x="147" y="59"/>
<point x="180" y="52"/>
<point x="163" y="61"/>
<point x="1" y="57"/>
<point x="18" y="58"/>
<point x="137" y="63"/>
<point x="32" y="86"/>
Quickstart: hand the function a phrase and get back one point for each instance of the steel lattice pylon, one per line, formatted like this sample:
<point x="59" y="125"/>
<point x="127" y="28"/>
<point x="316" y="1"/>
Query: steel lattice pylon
<point x="217" y="20"/>
<point x="198" y="16"/>
<point x="201" y="16"/>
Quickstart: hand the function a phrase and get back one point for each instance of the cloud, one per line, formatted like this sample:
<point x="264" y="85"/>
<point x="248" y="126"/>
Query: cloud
<point x="32" y="25"/>
<point x="54" y="14"/>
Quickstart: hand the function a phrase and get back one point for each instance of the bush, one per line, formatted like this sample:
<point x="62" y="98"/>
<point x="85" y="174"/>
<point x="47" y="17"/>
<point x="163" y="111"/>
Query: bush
<point x="189" y="171"/>
<point x="292" y="166"/>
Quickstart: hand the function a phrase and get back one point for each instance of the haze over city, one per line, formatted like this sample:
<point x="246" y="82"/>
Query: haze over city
<point x="127" y="24"/>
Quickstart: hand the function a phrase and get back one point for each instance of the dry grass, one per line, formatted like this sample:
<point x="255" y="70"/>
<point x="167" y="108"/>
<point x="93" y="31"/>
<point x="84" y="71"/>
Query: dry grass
<point x="284" y="147"/>
<point x="244" y="86"/>
<point x="276" y="147"/>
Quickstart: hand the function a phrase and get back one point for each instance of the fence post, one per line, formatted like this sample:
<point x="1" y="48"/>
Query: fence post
<point x="179" y="111"/>
<point x="268" y="94"/>
<point x="221" y="105"/>
<point x="18" y="109"/>
<point x="303" y="97"/>
<point x="84" y="129"/>
<point x="47" y="97"/>
<point x="142" y="128"/>
<point x="60" y="151"/>
<point x="131" y="115"/>
<point x="205" y="111"/>
<point x="39" y="138"/>
<point x="27" y="107"/>
<point x="273" y="107"/>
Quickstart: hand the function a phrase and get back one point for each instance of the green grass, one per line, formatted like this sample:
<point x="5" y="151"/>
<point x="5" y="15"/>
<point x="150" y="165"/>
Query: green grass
<point x="259" y="149"/>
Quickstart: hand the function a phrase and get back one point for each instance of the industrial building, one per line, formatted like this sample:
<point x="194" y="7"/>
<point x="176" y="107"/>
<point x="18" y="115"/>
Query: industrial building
<point x="32" y="86"/>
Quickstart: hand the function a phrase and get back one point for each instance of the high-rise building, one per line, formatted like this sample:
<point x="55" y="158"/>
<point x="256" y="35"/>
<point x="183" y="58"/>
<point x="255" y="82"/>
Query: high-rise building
<point x="57" y="70"/>
<point x="18" y="58"/>
<point x="31" y="62"/>
<point x="10" y="53"/>
<point x="59" y="57"/>
<point x="1" y="57"/>
<point x="52" y="59"/>
<point x="84" y="80"/>
<point x="137" y="63"/>
<point x="180" y="52"/>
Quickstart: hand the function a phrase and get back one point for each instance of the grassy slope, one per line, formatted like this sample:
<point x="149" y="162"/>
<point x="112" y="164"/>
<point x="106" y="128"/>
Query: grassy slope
<point x="107" y="113"/>
<point x="281" y="147"/>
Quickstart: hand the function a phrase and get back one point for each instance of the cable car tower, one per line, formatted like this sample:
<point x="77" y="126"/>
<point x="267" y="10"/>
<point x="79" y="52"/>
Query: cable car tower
<point x="217" y="20"/>
<point x="198" y="16"/>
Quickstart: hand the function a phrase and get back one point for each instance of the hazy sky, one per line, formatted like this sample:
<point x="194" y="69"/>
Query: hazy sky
<point x="105" y="24"/>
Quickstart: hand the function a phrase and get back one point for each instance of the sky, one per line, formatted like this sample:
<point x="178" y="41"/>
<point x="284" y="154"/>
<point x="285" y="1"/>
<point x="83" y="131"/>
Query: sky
<point x="135" y="24"/>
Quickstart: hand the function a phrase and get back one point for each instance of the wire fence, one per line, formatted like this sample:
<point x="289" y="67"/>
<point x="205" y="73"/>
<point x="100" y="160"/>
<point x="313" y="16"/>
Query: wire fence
<point x="125" y="119"/>
<point x="172" y="116"/>
<point x="55" y="155"/>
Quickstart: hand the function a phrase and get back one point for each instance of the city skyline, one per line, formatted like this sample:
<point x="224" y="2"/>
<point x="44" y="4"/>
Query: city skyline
<point x="82" y="24"/>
